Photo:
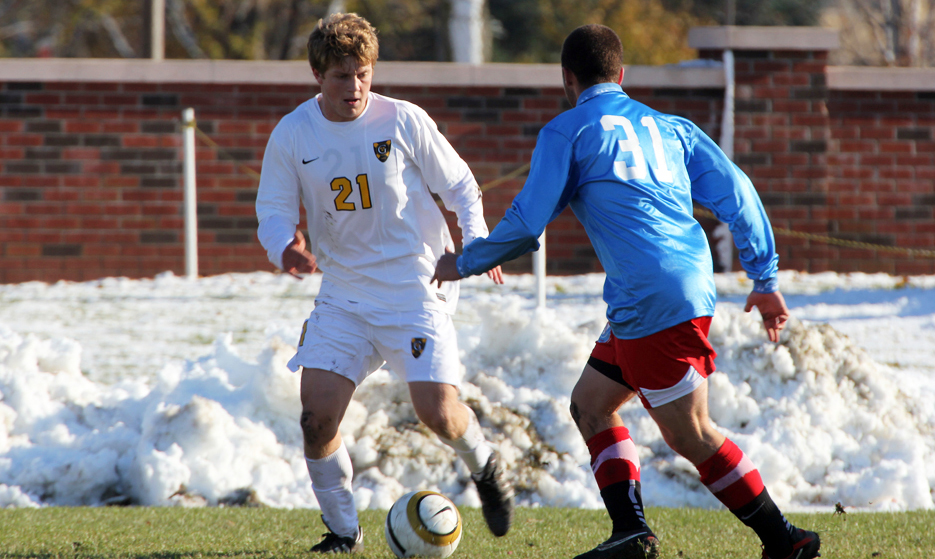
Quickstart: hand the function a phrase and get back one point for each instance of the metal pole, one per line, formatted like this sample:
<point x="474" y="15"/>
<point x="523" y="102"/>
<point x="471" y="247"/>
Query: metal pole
<point x="191" y="217"/>
<point x="538" y="269"/>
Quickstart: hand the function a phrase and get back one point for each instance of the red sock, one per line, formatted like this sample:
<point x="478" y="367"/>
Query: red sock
<point x="731" y="476"/>
<point x="616" y="466"/>
<point x="733" y="479"/>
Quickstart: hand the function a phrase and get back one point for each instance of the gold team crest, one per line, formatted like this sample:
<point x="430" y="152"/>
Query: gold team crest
<point x="418" y="345"/>
<point x="382" y="151"/>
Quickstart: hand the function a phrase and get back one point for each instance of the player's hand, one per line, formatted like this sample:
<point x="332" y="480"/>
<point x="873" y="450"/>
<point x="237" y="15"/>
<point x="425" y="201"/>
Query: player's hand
<point x="772" y="308"/>
<point x="496" y="275"/>
<point x="296" y="259"/>
<point x="447" y="269"/>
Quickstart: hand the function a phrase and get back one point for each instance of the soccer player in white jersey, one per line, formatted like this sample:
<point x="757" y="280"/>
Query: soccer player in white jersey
<point x="365" y="166"/>
<point x="630" y="175"/>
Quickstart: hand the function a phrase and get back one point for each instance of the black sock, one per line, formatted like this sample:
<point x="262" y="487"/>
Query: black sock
<point x="625" y="506"/>
<point x="768" y="522"/>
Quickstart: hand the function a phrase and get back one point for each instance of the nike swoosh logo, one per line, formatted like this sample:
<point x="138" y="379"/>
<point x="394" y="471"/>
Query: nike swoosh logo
<point x="605" y="546"/>
<point x="304" y="162"/>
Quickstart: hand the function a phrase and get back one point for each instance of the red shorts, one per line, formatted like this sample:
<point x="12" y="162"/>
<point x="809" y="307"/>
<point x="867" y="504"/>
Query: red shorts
<point x="661" y="367"/>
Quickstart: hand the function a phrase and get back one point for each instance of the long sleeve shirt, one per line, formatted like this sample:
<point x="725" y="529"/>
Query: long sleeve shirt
<point x="374" y="226"/>
<point x="630" y="174"/>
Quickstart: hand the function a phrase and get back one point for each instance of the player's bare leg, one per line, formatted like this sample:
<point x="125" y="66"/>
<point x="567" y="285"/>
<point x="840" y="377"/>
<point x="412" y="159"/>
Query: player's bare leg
<point x="730" y="475"/>
<point x="615" y="463"/>
<point x="325" y="396"/>
<point x="686" y="426"/>
<point x="437" y="405"/>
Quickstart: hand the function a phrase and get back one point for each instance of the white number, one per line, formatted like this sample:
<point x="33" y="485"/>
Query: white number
<point x="662" y="172"/>
<point x="631" y="144"/>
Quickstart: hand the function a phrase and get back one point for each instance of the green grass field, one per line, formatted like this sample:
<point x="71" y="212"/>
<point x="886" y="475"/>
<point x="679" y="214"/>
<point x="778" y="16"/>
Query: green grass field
<point x="169" y="533"/>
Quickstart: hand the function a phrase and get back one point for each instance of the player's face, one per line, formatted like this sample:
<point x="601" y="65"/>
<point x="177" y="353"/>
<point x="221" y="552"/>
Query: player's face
<point x="345" y="88"/>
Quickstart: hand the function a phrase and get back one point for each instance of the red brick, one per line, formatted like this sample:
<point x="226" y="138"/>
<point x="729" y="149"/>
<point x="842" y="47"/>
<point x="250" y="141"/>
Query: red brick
<point x="125" y="127"/>
<point x="894" y="199"/>
<point x="139" y="141"/>
<point x="24" y="140"/>
<point x="7" y="126"/>
<point x="83" y="99"/>
<point x="98" y="86"/>
<point x="41" y="181"/>
<point x="121" y="181"/>
<point x="81" y="154"/>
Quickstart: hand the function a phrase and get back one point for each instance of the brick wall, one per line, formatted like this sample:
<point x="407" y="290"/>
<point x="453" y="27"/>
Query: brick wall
<point x="91" y="172"/>
<point x="90" y="169"/>
<point x="852" y="165"/>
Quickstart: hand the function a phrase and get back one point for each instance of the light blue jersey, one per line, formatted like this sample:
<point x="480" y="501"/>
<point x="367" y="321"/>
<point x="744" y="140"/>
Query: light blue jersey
<point x="630" y="174"/>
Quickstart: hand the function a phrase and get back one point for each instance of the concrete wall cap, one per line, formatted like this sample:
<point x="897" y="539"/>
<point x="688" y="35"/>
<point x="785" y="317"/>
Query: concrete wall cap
<point x="862" y="78"/>
<point x="763" y="38"/>
<point x="91" y="70"/>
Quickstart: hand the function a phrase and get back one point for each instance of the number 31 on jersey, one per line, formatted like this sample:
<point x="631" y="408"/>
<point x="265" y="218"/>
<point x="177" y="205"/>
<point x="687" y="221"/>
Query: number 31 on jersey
<point x="631" y="144"/>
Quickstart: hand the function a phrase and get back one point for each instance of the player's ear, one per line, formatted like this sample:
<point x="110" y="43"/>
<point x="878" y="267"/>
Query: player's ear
<point x="620" y="78"/>
<point x="318" y="77"/>
<point x="567" y="77"/>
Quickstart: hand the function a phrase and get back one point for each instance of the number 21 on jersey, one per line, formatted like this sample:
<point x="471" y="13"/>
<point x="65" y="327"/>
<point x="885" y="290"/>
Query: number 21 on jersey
<point x="631" y="144"/>
<point x="344" y="188"/>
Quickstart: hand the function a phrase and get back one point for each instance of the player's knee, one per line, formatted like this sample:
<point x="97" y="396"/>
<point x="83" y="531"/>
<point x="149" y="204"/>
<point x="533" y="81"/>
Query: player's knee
<point x="575" y="412"/>
<point x="438" y="422"/>
<point x="316" y="430"/>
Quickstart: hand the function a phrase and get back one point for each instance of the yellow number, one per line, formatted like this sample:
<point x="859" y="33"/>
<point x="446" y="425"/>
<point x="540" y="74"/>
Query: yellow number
<point x="344" y="185"/>
<point x="364" y="191"/>
<point x="340" y="202"/>
<point x="304" y="330"/>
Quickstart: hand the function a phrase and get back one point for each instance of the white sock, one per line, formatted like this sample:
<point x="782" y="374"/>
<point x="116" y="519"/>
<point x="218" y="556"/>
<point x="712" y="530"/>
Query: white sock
<point x="331" y="480"/>
<point x="472" y="447"/>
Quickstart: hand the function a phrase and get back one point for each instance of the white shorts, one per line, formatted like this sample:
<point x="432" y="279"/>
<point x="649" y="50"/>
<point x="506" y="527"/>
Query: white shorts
<point x="355" y="339"/>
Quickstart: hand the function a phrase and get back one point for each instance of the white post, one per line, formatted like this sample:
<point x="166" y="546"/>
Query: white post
<point x="727" y="117"/>
<point x="466" y="31"/>
<point x="538" y="269"/>
<point x="191" y="216"/>
<point x="725" y="241"/>
<point x="157" y="31"/>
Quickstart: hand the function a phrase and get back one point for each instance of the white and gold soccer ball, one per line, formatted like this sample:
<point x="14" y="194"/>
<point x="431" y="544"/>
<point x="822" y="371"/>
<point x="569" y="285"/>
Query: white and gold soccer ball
<point x="423" y="524"/>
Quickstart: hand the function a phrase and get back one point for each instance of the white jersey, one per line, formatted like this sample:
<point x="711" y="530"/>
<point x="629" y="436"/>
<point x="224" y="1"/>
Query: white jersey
<point x="375" y="229"/>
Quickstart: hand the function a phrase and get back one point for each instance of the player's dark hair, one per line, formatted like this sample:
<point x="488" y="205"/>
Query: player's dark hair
<point x="593" y="53"/>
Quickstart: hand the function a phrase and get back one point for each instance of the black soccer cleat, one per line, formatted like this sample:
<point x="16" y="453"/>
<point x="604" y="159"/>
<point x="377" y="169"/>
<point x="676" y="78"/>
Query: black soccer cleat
<point x="333" y="543"/>
<point x="635" y="544"/>
<point x="496" y="496"/>
<point x="805" y="546"/>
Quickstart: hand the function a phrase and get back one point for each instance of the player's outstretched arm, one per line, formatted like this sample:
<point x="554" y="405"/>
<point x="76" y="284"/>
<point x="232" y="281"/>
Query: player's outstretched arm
<point x="447" y="270"/>
<point x="296" y="259"/>
<point x="772" y="307"/>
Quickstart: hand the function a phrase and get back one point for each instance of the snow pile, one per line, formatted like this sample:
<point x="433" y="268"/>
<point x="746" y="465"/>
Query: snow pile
<point x="822" y="420"/>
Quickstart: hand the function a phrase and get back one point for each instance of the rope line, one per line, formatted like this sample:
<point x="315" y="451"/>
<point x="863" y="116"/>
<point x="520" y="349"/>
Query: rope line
<point x="835" y="241"/>
<point x="698" y="211"/>
<point x="207" y="139"/>
<point x="511" y="175"/>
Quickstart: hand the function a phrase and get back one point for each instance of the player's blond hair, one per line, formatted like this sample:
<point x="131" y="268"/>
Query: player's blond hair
<point x="341" y="35"/>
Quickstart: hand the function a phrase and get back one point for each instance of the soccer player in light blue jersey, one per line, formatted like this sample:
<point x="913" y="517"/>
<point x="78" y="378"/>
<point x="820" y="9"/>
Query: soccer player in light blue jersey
<point x="630" y="174"/>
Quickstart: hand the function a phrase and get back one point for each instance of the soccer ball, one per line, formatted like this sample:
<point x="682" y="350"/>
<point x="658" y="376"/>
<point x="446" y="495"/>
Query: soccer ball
<point x="423" y="524"/>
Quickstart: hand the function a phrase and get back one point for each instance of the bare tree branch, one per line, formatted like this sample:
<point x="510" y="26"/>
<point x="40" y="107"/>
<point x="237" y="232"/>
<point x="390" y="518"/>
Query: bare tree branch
<point x="182" y="30"/>
<point x="116" y="36"/>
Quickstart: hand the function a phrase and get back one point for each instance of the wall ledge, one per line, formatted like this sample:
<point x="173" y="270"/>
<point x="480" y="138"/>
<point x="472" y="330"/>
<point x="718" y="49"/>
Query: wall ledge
<point x="91" y="70"/>
<point x="864" y="78"/>
<point x="762" y="38"/>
